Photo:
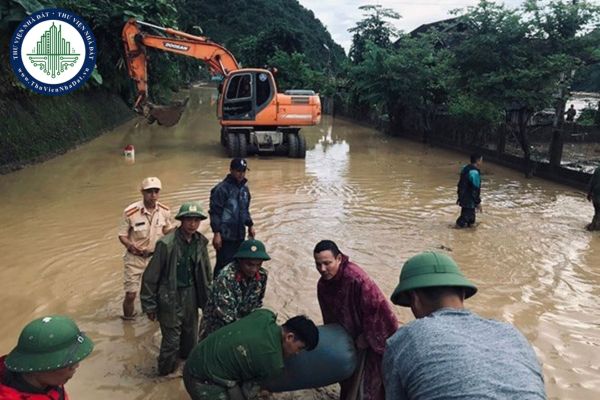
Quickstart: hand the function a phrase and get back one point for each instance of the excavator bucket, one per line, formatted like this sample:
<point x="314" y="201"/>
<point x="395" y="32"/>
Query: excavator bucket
<point x="168" y="115"/>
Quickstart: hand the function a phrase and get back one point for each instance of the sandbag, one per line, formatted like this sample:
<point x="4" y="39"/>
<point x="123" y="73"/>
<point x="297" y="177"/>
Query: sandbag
<point x="333" y="360"/>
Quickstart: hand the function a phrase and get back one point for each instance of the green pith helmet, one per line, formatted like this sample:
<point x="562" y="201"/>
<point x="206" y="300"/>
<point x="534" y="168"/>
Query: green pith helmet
<point x="191" y="209"/>
<point x="49" y="343"/>
<point x="429" y="269"/>
<point x="253" y="249"/>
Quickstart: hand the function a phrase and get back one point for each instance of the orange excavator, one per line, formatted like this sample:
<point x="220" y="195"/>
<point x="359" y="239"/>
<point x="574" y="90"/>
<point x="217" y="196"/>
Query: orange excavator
<point x="254" y="118"/>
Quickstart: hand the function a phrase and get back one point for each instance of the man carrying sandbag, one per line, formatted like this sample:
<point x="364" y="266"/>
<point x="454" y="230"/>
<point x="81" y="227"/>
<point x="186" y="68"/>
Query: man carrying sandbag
<point x="231" y="362"/>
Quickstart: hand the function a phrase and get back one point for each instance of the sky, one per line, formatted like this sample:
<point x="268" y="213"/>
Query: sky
<point x="340" y="15"/>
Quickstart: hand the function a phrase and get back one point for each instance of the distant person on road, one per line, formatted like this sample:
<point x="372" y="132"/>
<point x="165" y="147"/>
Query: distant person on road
<point x="238" y="290"/>
<point x="571" y="112"/>
<point x="449" y="352"/>
<point x="175" y="284"/>
<point x="230" y="213"/>
<point x="469" y="191"/>
<point x="231" y="363"/>
<point x="593" y="195"/>
<point x="349" y="297"/>
<point x="46" y="357"/>
<point x="143" y="223"/>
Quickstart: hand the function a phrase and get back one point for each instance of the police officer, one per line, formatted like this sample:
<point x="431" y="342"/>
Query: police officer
<point x="230" y="213"/>
<point x="46" y="357"/>
<point x="143" y="223"/>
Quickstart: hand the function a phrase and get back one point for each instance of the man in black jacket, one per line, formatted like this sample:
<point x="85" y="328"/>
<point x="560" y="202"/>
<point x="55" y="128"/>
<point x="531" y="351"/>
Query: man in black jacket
<point x="230" y="213"/>
<point x="468" y="191"/>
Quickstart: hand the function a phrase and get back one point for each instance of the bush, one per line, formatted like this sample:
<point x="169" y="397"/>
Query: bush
<point x="587" y="117"/>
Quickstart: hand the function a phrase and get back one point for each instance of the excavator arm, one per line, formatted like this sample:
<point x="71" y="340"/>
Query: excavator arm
<point x="218" y="59"/>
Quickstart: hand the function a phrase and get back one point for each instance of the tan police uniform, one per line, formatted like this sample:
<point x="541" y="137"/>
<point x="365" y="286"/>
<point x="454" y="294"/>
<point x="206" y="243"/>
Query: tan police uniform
<point x="143" y="228"/>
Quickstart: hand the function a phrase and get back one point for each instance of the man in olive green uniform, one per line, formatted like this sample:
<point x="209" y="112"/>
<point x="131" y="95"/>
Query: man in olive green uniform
<point x="46" y="357"/>
<point x="175" y="284"/>
<point x="238" y="289"/>
<point x="143" y="223"/>
<point x="231" y="363"/>
<point x="594" y="196"/>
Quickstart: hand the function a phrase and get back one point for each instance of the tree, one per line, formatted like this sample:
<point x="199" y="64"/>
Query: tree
<point x="558" y="26"/>
<point x="373" y="28"/>
<point x="517" y="59"/>
<point x="294" y="72"/>
<point x="409" y="77"/>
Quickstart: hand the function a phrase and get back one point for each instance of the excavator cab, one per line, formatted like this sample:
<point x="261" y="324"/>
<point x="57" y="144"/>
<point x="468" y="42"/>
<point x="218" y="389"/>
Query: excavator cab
<point x="254" y="117"/>
<point x="245" y="93"/>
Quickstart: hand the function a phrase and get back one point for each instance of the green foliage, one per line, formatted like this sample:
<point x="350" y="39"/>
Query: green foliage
<point x="588" y="117"/>
<point x="373" y="28"/>
<point x="258" y="33"/>
<point x="497" y="62"/>
<point x="294" y="72"/>
<point x="256" y="51"/>
<point x="520" y="58"/>
<point x="410" y="75"/>
<point x="12" y="12"/>
<point x="474" y="112"/>
<point x="587" y="79"/>
<point x="485" y="61"/>
<point x="254" y="30"/>
<point x="96" y="77"/>
<point x="106" y="19"/>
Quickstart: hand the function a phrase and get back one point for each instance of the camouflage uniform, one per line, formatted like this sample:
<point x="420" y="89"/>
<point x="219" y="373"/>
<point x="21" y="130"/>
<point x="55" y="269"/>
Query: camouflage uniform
<point x="232" y="297"/>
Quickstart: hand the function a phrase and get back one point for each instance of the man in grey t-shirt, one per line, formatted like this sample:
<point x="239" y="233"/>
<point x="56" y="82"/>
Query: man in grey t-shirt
<point x="448" y="351"/>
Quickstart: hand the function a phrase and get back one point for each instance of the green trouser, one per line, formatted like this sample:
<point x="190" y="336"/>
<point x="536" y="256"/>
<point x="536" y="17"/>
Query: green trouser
<point x="204" y="391"/>
<point x="179" y="338"/>
<point x="199" y="389"/>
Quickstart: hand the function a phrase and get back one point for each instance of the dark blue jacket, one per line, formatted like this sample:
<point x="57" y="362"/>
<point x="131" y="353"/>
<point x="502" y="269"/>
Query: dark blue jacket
<point x="230" y="209"/>
<point x="469" y="187"/>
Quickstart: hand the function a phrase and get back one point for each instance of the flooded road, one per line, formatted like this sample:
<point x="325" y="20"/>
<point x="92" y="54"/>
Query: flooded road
<point x="381" y="199"/>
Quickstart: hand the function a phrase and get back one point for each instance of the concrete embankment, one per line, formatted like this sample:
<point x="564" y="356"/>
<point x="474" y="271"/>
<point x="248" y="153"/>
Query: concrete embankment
<point x="35" y="127"/>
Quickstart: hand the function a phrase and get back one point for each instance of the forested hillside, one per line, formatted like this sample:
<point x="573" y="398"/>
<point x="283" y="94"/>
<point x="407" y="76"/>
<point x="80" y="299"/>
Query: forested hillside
<point x="255" y="30"/>
<point x="277" y="33"/>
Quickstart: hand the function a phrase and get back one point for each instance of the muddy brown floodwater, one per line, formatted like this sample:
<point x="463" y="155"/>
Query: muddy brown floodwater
<point x="381" y="199"/>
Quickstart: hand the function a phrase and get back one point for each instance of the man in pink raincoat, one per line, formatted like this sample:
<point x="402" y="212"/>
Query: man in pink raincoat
<point x="349" y="297"/>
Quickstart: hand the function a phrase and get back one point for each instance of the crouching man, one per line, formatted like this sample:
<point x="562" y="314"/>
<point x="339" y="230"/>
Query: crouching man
<point x="231" y="363"/>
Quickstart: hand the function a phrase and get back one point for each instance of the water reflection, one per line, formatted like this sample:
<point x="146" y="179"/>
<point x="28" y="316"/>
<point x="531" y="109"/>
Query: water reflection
<point x="329" y="159"/>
